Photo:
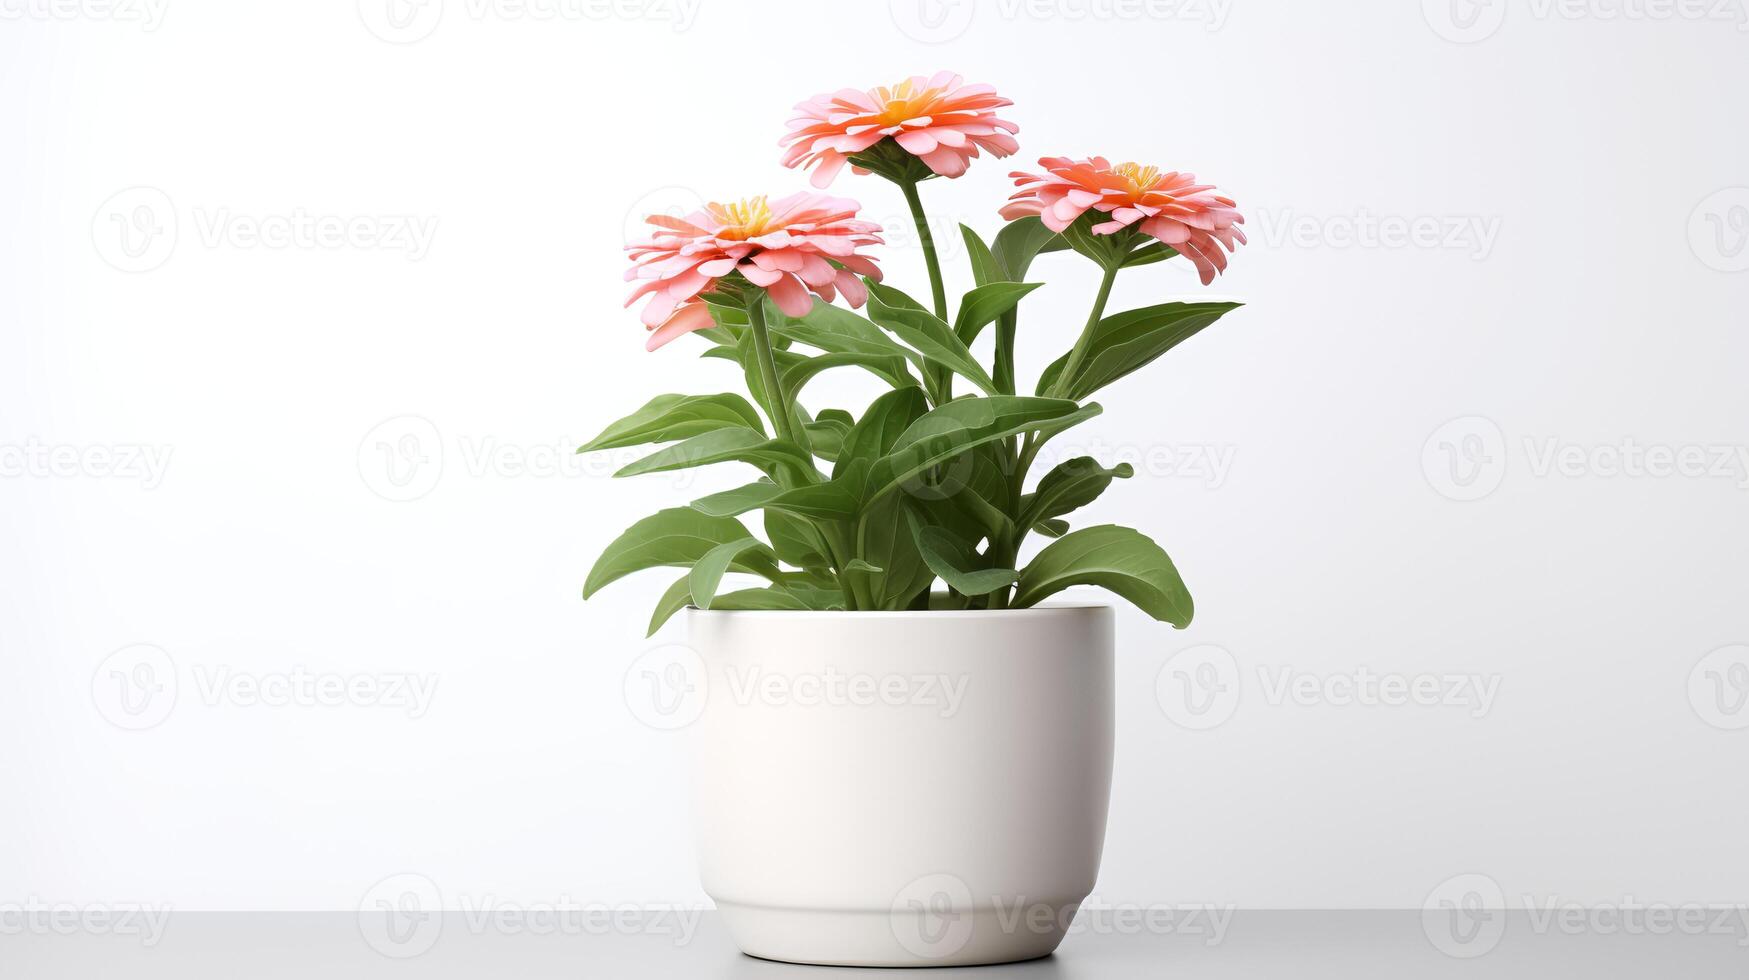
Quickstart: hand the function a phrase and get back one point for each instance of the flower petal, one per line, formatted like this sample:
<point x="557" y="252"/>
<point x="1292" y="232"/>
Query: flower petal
<point x="790" y="297"/>
<point x="693" y="316"/>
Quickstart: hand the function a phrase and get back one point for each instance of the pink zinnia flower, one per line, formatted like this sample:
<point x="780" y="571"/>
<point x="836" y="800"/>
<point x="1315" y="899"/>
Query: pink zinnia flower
<point x="1171" y="207"/>
<point x="938" y="119"/>
<point x="800" y="244"/>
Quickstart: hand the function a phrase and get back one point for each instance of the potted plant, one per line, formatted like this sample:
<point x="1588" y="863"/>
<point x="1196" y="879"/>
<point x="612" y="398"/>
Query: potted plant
<point x="905" y="758"/>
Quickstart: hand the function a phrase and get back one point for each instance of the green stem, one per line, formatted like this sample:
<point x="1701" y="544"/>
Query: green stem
<point x="1017" y="457"/>
<point x="1007" y="552"/>
<point x="779" y="407"/>
<point x="941" y="379"/>
<point x="1061" y="388"/>
<point x="837" y="548"/>
<point x="937" y="288"/>
<point x="1028" y="453"/>
<point x="1003" y="373"/>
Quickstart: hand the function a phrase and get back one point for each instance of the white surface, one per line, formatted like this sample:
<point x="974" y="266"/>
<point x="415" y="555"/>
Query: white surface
<point x="1357" y="945"/>
<point x="1602" y="152"/>
<point x="902" y="788"/>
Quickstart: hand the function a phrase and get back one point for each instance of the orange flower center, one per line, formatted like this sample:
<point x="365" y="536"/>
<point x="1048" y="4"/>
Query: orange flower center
<point x="747" y="218"/>
<point x="901" y="102"/>
<point x="1139" y="178"/>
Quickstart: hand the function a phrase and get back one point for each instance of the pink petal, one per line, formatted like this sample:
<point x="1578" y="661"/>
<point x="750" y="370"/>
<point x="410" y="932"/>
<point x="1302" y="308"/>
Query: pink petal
<point x="694" y="316"/>
<point x="855" y="293"/>
<point x="759" y="276"/>
<point x="917" y="142"/>
<point x="830" y="164"/>
<point x="946" y="161"/>
<point x="659" y="308"/>
<point x="790" y="297"/>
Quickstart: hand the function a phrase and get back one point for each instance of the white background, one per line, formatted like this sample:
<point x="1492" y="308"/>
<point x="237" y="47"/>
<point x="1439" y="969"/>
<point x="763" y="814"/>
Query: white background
<point x="1592" y="159"/>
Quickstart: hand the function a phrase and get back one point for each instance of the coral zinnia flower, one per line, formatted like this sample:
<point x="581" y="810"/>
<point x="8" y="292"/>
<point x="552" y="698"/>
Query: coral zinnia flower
<point x="1171" y="207"/>
<point x="800" y="244"/>
<point x="938" y="119"/>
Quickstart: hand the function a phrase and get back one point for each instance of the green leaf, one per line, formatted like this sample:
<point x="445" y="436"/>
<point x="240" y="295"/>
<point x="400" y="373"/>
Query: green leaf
<point x="979" y="505"/>
<point x="1046" y="431"/>
<point x="970" y="422"/>
<point x="759" y="599"/>
<point x="1052" y="528"/>
<point x="676" y="537"/>
<point x="678" y="597"/>
<point x="817" y="501"/>
<point x="888" y="367"/>
<point x="667" y="418"/>
<point x="1022" y="240"/>
<point x="1149" y="254"/>
<point x="886" y="543"/>
<point x="731" y="503"/>
<point x="796" y="542"/>
<point x="720" y="446"/>
<point x="834" y="330"/>
<point x="1016" y="245"/>
<point x="985" y="303"/>
<point x="832" y="500"/>
<point x="957" y="562"/>
<point x="928" y="333"/>
<point x="980" y="490"/>
<point x="881" y="425"/>
<point x="985" y="268"/>
<point x="814" y="596"/>
<point x="1107" y="250"/>
<point x="729" y="314"/>
<point x="973" y="417"/>
<point x="863" y="581"/>
<point x="826" y="437"/>
<point x="707" y="573"/>
<point x="1124" y="342"/>
<point x="1070" y="486"/>
<point x="1117" y="558"/>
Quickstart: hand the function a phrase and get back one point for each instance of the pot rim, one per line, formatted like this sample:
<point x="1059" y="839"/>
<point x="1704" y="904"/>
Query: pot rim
<point x="1045" y="608"/>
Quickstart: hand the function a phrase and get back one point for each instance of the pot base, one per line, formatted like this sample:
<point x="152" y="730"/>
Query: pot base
<point x="896" y="937"/>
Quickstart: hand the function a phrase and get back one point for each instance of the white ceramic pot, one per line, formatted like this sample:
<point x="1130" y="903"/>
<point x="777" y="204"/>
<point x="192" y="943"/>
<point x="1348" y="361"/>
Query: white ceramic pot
<point x="903" y="788"/>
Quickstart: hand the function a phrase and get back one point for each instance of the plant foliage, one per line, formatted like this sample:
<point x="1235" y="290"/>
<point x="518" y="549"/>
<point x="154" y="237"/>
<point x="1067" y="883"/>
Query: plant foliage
<point x="923" y="500"/>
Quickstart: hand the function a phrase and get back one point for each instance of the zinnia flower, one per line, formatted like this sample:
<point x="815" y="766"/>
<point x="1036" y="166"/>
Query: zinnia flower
<point x="803" y="243"/>
<point x="1171" y="207"/>
<point x="938" y="120"/>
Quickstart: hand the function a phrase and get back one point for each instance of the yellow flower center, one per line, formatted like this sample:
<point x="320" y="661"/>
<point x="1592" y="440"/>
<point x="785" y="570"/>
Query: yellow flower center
<point x="747" y="218"/>
<point x="1139" y="178"/>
